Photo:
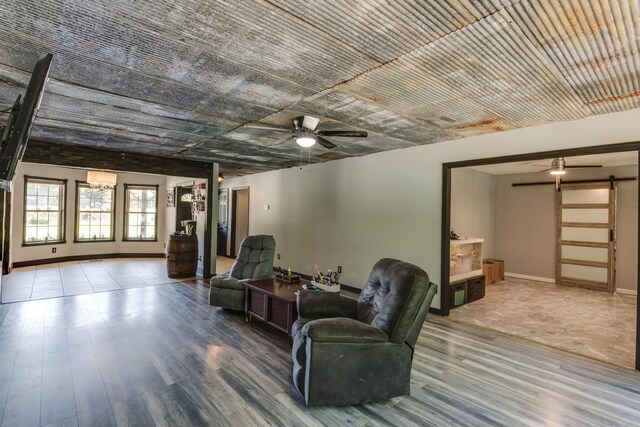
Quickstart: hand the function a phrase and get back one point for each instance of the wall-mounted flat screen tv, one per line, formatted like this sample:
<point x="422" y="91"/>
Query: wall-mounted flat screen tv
<point x="15" y="134"/>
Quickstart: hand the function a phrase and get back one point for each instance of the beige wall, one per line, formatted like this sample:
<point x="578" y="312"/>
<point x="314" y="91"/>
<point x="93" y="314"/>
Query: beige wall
<point x="20" y="253"/>
<point x="525" y="228"/>
<point x="355" y="211"/>
<point x="473" y="206"/>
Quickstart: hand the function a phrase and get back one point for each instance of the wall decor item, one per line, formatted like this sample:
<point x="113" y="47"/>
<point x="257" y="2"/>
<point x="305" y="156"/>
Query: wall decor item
<point x="171" y="197"/>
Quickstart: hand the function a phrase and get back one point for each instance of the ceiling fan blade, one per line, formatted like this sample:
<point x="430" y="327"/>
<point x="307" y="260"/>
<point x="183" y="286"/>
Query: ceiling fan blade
<point x="325" y="143"/>
<point x="310" y="123"/>
<point x="277" y="129"/>
<point x="345" y="133"/>
<point x="583" y="166"/>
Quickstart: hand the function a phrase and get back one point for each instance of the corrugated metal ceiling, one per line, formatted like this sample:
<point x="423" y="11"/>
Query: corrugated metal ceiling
<point x="188" y="78"/>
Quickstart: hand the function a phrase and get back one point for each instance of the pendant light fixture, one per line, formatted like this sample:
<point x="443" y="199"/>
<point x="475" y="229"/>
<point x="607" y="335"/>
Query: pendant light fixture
<point x="101" y="180"/>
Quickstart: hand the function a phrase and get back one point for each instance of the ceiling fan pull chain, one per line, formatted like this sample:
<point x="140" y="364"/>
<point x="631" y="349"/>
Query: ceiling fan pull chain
<point x="300" y="157"/>
<point x="309" y="159"/>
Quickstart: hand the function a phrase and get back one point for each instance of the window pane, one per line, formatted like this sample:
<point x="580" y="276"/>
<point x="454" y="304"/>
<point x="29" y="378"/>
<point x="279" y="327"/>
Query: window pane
<point x="31" y="203"/>
<point x="140" y="216"/>
<point x="53" y="219"/>
<point x="96" y="208"/>
<point x="43" y="216"/>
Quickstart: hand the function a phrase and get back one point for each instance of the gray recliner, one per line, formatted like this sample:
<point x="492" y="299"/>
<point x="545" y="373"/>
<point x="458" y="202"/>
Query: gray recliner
<point x="348" y="352"/>
<point x="254" y="261"/>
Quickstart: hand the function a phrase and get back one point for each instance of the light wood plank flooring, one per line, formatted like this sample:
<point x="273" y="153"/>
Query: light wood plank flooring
<point x="160" y="355"/>
<point x="591" y="323"/>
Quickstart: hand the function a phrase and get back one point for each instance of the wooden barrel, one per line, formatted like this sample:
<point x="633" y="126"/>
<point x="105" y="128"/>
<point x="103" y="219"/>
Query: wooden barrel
<point x="182" y="256"/>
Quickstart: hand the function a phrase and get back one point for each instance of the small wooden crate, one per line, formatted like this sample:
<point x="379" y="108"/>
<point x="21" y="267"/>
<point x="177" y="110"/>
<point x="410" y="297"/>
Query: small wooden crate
<point x="499" y="269"/>
<point x="489" y="270"/>
<point x="288" y="279"/>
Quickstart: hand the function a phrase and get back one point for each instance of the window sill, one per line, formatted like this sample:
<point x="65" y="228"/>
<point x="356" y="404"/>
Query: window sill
<point x="139" y="240"/>
<point x="57" y="242"/>
<point x="94" y="241"/>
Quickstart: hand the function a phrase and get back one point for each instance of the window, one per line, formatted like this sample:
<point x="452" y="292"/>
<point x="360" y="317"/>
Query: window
<point x="43" y="210"/>
<point x="94" y="213"/>
<point x="140" y="212"/>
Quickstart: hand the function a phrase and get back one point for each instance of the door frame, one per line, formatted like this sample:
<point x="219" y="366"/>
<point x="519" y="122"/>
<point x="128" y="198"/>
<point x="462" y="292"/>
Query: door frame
<point x="234" y="212"/>
<point x="224" y="244"/>
<point x="569" y="152"/>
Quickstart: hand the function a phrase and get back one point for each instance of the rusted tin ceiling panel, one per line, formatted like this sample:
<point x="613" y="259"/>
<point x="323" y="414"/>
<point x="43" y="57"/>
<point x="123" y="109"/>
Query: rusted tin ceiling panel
<point x="594" y="44"/>
<point x="45" y="130"/>
<point x="385" y="29"/>
<point x="492" y="63"/>
<point x="249" y="32"/>
<point x="403" y="86"/>
<point x="65" y="25"/>
<point x="82" y="72"/>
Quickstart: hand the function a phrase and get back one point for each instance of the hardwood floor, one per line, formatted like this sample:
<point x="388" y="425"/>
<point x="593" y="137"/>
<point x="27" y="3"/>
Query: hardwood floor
<point x="161" y="355"/>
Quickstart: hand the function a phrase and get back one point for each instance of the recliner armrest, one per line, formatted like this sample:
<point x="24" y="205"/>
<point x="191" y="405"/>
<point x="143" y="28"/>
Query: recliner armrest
<point x="320" y="305"/>
<point x="343" y="330"/>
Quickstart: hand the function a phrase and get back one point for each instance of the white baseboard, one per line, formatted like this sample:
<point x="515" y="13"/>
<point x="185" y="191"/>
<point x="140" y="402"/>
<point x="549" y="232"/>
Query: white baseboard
<point x="627" y="291"/>
<point x="536" y="278"/>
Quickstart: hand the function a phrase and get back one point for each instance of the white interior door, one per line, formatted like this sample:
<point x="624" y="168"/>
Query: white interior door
<point x="585" y="252"/>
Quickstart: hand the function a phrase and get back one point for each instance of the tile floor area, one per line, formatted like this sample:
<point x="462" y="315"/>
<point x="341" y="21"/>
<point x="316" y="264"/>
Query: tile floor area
<point x="591" y="323"/>
<point x="85" y="277"/>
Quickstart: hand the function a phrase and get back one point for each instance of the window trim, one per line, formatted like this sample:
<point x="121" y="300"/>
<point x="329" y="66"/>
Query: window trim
<point x="76" y="232"/>
<point x="125" y="223"/>
<point x="63" y="222"/>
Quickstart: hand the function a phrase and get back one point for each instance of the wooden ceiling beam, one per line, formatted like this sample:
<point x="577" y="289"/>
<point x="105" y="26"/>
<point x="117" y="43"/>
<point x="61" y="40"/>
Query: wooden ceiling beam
<point x="96" y="158"/>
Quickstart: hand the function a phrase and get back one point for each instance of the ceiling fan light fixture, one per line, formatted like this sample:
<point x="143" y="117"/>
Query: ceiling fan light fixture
<point x="558" y="166"/>
<point x="305" y="141"/>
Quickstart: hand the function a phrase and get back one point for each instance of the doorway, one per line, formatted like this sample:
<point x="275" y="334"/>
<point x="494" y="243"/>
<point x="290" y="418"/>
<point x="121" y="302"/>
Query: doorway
<point x="555" y="295"/>
<point x="223" y="221"/>
<point x="240" y="218"/>
<point x="183" y="208"/>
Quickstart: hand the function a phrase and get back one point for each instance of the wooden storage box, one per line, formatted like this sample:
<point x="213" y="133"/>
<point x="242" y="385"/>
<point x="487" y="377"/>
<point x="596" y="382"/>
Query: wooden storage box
<point x="489" y="271"/>
<point x="458" y="293"/>
<point x="499" y="269"/>
<point x="287" y="279"/>
<point x="475" y="288"/>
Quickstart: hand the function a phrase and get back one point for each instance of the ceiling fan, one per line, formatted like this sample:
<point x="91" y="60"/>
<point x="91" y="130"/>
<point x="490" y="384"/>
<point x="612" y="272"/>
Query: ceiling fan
<point x="559" y="166"/>
<point x="306" y="133"/>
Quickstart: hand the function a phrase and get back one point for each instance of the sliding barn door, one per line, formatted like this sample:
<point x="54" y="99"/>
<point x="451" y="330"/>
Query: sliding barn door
<point x="585" y="252"/>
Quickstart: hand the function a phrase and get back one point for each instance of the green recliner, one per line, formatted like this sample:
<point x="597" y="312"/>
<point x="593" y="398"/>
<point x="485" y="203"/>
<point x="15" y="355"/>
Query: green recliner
<point x="348" y="352"/>
<point x="254" y="261"/>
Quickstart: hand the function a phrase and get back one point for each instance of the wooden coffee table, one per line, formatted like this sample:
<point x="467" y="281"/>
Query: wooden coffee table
<point x="273" y="302"/>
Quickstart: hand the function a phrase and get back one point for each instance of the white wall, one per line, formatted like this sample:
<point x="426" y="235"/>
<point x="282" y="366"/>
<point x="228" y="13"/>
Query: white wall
<point x="473" y="206"/>
<point x="355" y="211"/>
<point x="526" y="234"/>
<point x="20" y="253"/>
<point x="170" y="224"/>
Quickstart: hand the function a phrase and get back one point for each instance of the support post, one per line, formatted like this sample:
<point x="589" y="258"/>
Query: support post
<point x="211" y="226"/>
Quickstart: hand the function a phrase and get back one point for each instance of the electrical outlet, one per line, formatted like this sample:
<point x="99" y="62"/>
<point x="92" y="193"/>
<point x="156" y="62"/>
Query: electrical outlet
<point x="278" y="256"/>
<point x="53" y="250"/>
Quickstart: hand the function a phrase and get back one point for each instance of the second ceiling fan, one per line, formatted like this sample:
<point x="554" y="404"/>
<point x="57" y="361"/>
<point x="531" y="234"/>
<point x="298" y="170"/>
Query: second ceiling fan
<point x="559" y="166"/>
<point x="306" y="133"/>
